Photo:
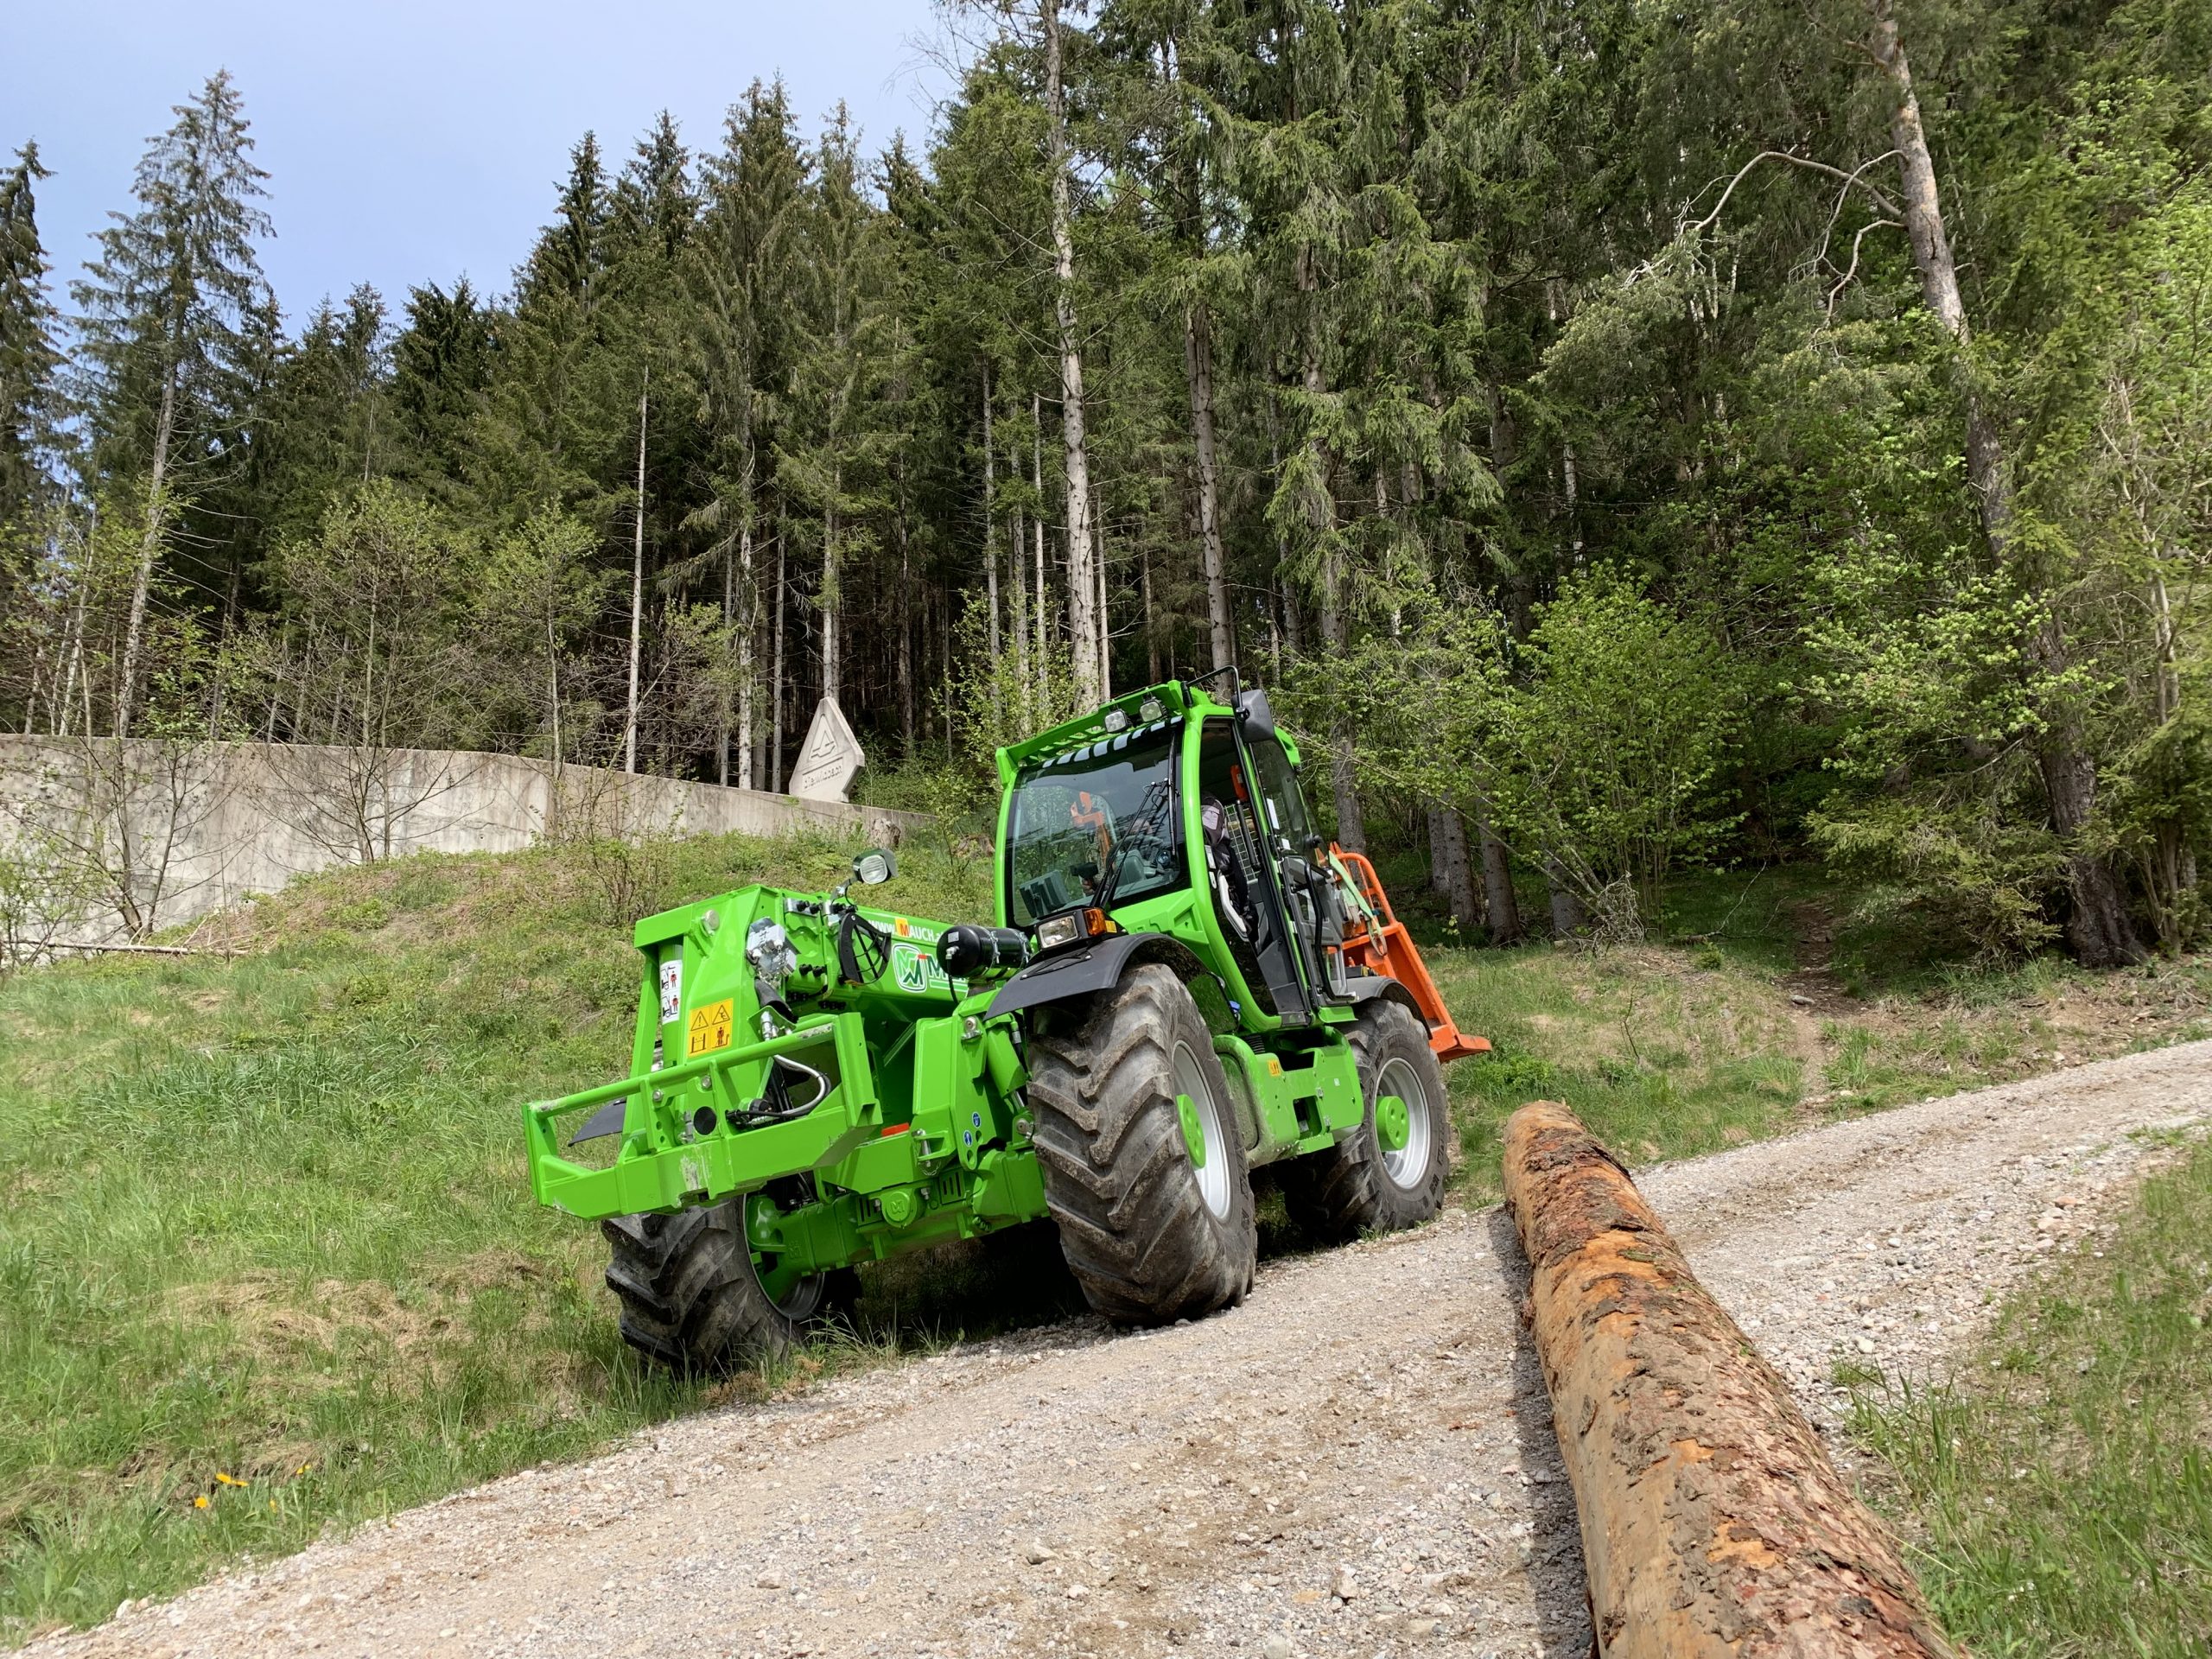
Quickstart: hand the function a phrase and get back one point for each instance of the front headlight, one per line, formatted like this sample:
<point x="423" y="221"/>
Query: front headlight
<point x="1056" y="931"/>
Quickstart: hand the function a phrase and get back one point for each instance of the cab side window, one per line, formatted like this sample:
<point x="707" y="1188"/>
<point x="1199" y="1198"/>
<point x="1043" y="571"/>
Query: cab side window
<point x="1278" y="788"/>
<point x="1237" y="843"/>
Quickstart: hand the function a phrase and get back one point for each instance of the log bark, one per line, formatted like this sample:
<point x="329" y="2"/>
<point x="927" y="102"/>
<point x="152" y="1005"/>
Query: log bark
<point x="1712" y="1522"/>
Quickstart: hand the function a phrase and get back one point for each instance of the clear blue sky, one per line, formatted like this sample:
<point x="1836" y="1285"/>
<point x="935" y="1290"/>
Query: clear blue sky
<point x="411" y="141"/>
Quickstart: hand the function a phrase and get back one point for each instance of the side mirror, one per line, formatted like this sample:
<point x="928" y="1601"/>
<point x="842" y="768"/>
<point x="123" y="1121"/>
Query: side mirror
<point x="1254" y="714"/>
<point x="874" y="867"/>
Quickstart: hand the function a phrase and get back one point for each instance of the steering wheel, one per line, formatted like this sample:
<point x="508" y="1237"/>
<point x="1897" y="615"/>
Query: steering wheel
<point x="1146" y="841"/>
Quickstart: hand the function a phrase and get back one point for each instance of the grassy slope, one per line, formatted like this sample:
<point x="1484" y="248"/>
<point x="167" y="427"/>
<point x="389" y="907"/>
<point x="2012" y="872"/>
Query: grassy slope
<point x="1769" y="1017"/>
<point x="2060" y="1496"/>
<point x="268" y="1218"/>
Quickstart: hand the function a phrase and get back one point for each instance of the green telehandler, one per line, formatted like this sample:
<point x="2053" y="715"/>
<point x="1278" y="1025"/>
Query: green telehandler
<point x="1186" y="983"/>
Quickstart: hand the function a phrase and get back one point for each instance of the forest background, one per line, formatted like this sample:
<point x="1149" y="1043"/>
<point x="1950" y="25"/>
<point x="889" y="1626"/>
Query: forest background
<point x="1626" y="437"/>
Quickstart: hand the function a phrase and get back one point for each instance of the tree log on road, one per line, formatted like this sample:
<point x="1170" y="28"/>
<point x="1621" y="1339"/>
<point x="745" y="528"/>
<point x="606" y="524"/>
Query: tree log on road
<point x="1713" y="1521"/>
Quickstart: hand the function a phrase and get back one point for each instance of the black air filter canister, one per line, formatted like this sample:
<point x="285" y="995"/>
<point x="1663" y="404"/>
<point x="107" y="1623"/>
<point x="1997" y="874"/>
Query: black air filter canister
<point x="969" y="951"/>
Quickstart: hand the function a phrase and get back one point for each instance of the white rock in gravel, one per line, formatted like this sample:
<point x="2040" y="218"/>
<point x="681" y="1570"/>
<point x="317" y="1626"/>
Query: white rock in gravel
<point x="1275" y="1647"/>
<point x="1037" y="1555"/>
<point x="1422" y="1628"/>
<point x="1346" y="1586"/>
<point x="1078" y="1592"/>
<point x="771" y="1580"/>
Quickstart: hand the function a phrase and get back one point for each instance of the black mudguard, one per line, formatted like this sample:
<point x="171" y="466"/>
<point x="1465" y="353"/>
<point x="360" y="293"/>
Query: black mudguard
<point x="1085" y="970"/>
<point x="1365" y="987"/>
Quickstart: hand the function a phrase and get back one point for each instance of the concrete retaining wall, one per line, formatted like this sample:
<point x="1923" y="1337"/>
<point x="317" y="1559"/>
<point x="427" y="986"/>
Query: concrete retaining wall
<point x="157" y="833"/>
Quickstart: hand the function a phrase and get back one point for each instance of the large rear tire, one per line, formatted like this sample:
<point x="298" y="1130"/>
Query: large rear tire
<point x="694" y="1298"/>
<point x="1154" y="1201"/>
<point x="1365" y="1183"/>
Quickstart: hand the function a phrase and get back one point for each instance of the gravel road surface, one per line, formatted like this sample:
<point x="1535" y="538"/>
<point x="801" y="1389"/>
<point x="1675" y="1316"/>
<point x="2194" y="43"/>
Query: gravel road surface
<point x="1358" y="1461"/>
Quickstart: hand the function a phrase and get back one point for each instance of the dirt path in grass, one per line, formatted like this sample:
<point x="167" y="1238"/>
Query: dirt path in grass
<point x="1359" y="1461"/>
<point x="1816" y="994"/>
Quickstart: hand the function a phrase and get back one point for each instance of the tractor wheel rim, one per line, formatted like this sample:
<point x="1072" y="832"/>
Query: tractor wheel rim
<point x="1213" y="1174"/>
<point x="797" y="1296"/>
<point x="1408" y="1168"/>
<point x="802" y="1298"/>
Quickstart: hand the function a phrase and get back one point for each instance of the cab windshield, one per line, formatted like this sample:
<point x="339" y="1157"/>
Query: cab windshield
<point x="1100" y="819"/>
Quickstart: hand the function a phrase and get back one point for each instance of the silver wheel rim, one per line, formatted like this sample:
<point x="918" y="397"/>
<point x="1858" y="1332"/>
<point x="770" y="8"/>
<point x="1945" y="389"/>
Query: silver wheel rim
<point x="1213" y="1175"/>
<point x="1408" y="1168"/>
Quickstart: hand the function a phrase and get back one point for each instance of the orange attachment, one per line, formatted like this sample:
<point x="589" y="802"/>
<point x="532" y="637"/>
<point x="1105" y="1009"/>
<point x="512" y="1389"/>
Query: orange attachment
<point x="1381" y="945"/>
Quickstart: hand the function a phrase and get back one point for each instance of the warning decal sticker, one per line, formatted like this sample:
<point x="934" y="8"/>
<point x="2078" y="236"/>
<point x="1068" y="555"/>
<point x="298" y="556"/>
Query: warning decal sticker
<point x="709" y="1029"/>
<point x="671" y="988"/>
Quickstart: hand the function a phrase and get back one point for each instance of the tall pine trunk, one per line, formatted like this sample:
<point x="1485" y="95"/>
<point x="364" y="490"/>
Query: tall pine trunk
<point x="990" y="526"/>
<point x="637" y="587"/>
<point x="150" y="547"/>
<point x="1197" y="371"/>
<point x="1449" y="837"/>
<point x="1018" y="566"/>
<point x="749" y="626"/>
<point x="1351" y="827"/>
<point x="2099" y="929"/>
<point x="1042" y="665"/>
<point x="1085" y="624"/>
<point x="1501" y="905"/>
<point x="775" y="690"/>
<point x="901" y="610"/>
<point x="830" y="664"/>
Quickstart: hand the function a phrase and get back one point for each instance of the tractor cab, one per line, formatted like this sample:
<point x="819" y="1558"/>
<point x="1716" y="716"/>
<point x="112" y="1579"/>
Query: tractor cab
<point x="1170" y="813"/>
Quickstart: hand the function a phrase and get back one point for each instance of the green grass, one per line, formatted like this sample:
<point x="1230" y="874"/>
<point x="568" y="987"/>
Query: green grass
<point x="269" y="1217"/>
<point x="1662" y="1059"/>
<point x="2059" y="1495"/>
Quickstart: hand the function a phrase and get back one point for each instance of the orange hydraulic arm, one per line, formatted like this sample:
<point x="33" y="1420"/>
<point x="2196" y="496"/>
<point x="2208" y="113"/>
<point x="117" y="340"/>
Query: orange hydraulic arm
<point x="1377" y="942"/>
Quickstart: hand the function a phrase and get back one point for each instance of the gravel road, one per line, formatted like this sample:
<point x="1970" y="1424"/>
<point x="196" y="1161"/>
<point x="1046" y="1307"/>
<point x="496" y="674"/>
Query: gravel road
<point x="1358" y="1461"/>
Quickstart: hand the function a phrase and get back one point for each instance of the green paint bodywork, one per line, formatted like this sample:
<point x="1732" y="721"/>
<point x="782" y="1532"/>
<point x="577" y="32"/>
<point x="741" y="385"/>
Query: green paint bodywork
<point x="921" y="1134"/>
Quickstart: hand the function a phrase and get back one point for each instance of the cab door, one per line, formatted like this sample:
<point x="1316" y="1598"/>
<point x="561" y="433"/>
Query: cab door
<point x="1307" y="911"/>
<point x="1244" y="885"/>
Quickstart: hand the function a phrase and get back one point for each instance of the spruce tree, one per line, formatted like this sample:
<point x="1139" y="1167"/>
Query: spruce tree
<point x="175" y="321"/>
<point x="442" y="364"/>
<point x="655" y="205"/>
<point x="559" y="415"/>
<point x="743" y="271"/>
<point x="29" y="357"/>
<point x="832" y="457"/>
<point x="325" y="425"/>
